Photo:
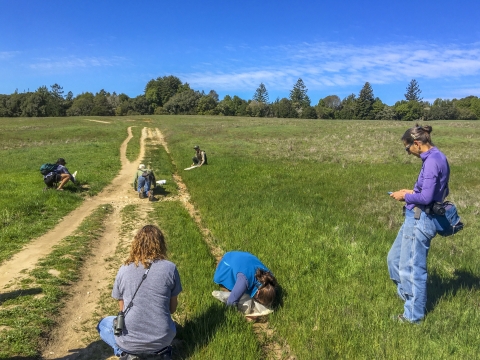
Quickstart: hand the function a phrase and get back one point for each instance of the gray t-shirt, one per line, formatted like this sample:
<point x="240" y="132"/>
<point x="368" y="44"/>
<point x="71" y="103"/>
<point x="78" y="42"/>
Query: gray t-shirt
<point x="148" y="324"/>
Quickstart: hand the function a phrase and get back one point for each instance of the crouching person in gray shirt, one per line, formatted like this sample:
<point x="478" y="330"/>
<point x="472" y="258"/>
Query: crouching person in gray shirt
<point x="146" y="287"/>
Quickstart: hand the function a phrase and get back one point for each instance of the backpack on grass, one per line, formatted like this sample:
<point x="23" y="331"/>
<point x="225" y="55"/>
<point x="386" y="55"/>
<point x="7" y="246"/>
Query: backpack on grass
<point x="47" y="168"/>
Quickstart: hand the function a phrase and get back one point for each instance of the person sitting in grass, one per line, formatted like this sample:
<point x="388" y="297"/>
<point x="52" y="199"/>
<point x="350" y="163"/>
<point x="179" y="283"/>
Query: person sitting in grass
<point x="59" y="176"/>
<point x="200" y="157"/>
<point x="146" y="287"/>
<point x="144" y="179"/>
<point x="243" y="273"/>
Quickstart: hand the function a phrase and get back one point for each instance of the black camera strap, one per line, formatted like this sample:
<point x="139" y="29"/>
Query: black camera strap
<point x="138" y="287"/>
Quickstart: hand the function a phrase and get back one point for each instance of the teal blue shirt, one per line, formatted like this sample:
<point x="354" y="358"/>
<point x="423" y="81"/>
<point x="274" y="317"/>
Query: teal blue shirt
<point x="235" y="262"/>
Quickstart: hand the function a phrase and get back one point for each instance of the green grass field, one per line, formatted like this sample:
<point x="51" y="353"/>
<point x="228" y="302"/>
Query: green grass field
<point x="309" y="198"/>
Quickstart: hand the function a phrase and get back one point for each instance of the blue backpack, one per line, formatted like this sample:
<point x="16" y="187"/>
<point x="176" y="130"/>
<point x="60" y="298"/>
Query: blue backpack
<point x="449" y="223"/>
<point x="47" y="168"/>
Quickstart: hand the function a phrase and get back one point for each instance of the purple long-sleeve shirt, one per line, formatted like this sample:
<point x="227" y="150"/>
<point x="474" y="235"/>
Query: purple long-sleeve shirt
<point x="432" y="182"/>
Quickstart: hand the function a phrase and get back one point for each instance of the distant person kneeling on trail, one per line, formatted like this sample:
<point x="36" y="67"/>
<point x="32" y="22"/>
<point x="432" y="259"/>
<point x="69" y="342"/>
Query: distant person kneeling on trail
<point x="200" y="157"/>
<point x="243" y="273"/>
<point x="144" y="178"/>
<point x="146" y="287"/>
<point x="59" y="175"/>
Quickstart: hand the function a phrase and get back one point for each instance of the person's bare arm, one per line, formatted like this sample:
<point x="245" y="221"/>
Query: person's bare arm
<point x="400" y="194"/>
<point x="120" y="305"/>
<point x="173" y="304"/>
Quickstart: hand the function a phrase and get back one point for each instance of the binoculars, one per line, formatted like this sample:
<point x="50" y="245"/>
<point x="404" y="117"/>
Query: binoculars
<point x="119" y="323"/>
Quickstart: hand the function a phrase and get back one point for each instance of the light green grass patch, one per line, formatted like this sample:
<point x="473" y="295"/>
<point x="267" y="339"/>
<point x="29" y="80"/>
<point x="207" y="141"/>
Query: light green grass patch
<point x="28" y="312"/>
<point x="91" y="148"/>
<point x="309" y="198"/>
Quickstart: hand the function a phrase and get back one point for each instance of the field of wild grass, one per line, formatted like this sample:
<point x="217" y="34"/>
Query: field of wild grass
<point x="308" y="197"/>
<point x="92" y="148"/>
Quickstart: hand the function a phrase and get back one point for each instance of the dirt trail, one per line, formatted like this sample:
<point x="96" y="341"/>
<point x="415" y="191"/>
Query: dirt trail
<point x="273" y="348"/>
<point x="67" y="341"/>
<point x="121" y="184"/>
<point x="184" y="197"/>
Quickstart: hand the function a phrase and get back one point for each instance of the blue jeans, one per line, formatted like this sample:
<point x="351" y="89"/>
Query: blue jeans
<point x="145" y="183"/>
<point x="407" y="263"/>
<point x="105" y="330"/>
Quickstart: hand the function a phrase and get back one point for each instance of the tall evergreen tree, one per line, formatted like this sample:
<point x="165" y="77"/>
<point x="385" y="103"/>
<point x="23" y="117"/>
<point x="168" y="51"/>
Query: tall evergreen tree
<point x="364" y="104"/>
<point x="261" y="94"/>
<point x="298" y="95"/>
<point x="413" y="91"/>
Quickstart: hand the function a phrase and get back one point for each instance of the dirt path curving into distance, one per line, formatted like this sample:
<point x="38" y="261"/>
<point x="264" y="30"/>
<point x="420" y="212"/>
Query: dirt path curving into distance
<point x="38" y="248"/>
<point x="67" y="341"/>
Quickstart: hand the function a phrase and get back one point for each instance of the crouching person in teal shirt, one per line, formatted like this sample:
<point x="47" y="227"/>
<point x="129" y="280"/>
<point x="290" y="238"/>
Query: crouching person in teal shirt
<point x="243" y="273"/>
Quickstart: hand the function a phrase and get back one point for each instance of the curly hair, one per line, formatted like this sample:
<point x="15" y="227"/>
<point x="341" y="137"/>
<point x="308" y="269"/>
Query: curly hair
<point x="419" y="133"/>
<point x="148" y="245"/>
<point x="266" y="293"/>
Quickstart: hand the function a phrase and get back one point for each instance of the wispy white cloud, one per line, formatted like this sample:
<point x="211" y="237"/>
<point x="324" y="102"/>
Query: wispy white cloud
<point x="73" y="62"/>
<point x="323" y="65"/>
<point x="4" y="55"/>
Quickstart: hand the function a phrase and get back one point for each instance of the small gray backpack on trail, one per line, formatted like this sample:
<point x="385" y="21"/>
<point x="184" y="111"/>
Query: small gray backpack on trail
<point x="47" y="168"/>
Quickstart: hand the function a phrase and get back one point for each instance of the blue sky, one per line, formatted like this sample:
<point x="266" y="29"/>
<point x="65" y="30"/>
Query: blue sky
<point x="231" y="47"/>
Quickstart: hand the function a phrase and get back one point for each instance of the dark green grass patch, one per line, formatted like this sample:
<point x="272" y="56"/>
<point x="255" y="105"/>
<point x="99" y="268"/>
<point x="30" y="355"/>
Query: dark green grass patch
<point x="208" y="329"/>
<point x="28" y="313"/>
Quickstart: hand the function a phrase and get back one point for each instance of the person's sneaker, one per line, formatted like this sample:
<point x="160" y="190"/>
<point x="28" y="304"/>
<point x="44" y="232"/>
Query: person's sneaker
<point x="140" y="194"/>
<point x="402" y="319"/>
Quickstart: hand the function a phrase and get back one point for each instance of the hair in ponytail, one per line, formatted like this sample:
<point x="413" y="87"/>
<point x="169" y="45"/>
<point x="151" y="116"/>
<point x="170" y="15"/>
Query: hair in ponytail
<point x="267" y="291"/>
<point x="419" y="133"/>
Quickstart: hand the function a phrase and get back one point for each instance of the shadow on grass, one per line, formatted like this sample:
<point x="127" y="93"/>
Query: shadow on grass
<point x="281" y="294"/>
<point x="197" y="332"/>
<point x="81" y="188"/>
<point x="17" y="293"/>
<point x="97" y="350"/>
<point x="160" y="190"/>
<point x="438" y="286"/>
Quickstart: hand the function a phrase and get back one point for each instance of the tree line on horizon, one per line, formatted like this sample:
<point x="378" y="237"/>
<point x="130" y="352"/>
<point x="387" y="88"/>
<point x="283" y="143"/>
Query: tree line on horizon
<point x="167" y="95"/>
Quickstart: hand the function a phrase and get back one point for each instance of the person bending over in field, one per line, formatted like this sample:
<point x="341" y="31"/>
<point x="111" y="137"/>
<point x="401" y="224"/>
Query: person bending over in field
<point x="146" y="287"/>
<point x="243" y="273"/>
<point x="200" y="157"/>
<point x="60" y="175"/>
<point x="143" y="180"/>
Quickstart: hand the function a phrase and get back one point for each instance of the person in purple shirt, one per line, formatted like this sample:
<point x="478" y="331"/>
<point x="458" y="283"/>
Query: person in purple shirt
<point x="407" y="258"/>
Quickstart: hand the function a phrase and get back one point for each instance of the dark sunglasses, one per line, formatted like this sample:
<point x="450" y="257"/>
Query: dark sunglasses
<point x="407" y="148"/>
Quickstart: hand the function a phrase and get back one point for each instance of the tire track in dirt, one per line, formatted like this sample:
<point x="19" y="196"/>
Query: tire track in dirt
<point x="272" y="348"/>
<point x="26" y="259"/>
<point x="67" y="341"/>
<point x="184" y="197"/>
